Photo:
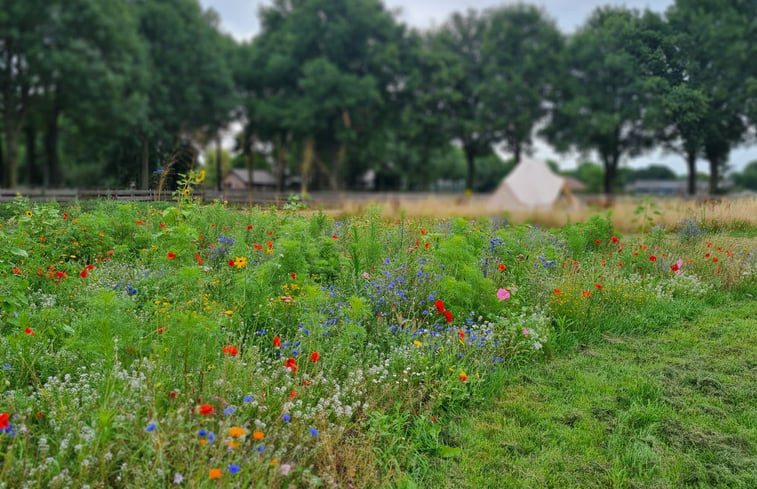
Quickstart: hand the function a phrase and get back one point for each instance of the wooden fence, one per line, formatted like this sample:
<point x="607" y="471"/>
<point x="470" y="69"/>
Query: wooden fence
<point x="265" y="197"/>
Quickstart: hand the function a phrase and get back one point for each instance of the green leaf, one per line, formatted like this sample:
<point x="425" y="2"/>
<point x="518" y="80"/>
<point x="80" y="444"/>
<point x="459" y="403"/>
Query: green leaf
<point x="445" y="451"/>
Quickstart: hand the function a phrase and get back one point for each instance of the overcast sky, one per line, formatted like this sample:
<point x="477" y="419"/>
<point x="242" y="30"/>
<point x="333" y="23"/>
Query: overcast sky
<point x="239" y="17"/>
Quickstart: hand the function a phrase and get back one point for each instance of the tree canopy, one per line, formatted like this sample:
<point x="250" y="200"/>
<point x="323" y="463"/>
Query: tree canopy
<point x="96" y="92"/>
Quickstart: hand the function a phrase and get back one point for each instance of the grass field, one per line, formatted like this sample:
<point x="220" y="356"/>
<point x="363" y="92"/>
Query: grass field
<point x="668" y="409"/>
<point x="192" y="345"/>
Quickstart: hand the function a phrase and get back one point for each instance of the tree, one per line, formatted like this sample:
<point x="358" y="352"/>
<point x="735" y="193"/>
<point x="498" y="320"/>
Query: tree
<point x="521" y="51"/>
<point x="603" y="103"/>
<point x="325" y="75"/>
<point x="460" y="104"/>
<point x="748" y="177"/>
<point x="715" y="42"/>
<point x="190" y="87"/>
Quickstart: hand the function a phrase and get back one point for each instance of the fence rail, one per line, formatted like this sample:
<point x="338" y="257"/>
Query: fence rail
<point x="324" y="198"/>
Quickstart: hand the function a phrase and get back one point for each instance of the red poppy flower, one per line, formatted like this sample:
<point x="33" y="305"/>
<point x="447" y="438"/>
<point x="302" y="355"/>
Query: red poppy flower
<point x="674" y="267"/>
<point x="17" y="271"/>
<point x="715" y="260"/>
<point x="417" y="243"/>
<point x="448" y="316"/>
<point x="277" y="341"/>
<point x="652" y="258"/>
<point x="231" y="262"/>
<point x="205" y="409"/>
<point x="90" y="267"/>
<point x="423" y="232"/>
<point x="257" y="246"/>
<point x="29" y="331"/>
<point x="707" y="255"/>
<point x="614" y="239"/>
<point x="335" y="237"/>
<point x="463" y="378"/>
<point x="501" y="267"/>
<point x="292" y="394"/>
<point x="598" y="241"/>
<point x="620" y="264"/>
<point x="4" y="421"/>
<point x="170" y="255"/>
<point x="270" y="244"/>
<point x="65" y="215"/>
<point x="315" y="356"/>
<point x="162" y="224"/>
<point x="249" y="227"/>
<point x="439" y="306"/>
<point x="291" y="364"/>
<point x="461" y="333"/>
<point x="598" y="286"/>
<point x="198" y="258"/>
<point x="293" y="275"/>
<point x="586" y="293"/>
<point x="231" y="350"/>
<point x="427" y="245"/>
<point x="270" y="233"/>
<point x="557" y="291"/>
<point x="60" y="274"/>
<point x="83" y="273"/>
<point x="139" y="223"/>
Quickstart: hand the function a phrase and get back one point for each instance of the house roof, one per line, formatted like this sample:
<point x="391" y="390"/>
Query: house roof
<point x="259" y="177"/>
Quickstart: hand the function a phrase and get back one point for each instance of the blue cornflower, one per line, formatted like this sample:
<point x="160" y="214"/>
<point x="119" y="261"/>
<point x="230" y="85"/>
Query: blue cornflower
<point x="6" y="366"/>
<point x="286" y="417"/>
<point x="202" y="433"/>
<point x="234" y="469"/>
<point x="151" y="427"/>
<point x="247" y="398"/>
<point x="229" y="410"/>
<point x="260" y="448"/>
<point x="313" y="431"/>
<point x="211" y="437"/>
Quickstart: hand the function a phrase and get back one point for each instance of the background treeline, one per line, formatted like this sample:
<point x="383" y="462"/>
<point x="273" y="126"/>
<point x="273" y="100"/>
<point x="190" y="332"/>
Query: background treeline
<point x="110" y="92"/>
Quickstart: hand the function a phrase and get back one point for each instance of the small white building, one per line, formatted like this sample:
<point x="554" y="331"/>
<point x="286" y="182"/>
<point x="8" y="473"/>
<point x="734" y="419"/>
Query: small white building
<point x="239" y="179"/>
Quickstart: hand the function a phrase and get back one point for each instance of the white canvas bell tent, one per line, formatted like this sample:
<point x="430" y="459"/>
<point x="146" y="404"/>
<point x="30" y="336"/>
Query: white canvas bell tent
<point x="531" y="185"/>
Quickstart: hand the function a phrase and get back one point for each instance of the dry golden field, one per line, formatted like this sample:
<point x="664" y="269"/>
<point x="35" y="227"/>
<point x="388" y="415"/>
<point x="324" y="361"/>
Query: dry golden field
<point x="628" y="213"/>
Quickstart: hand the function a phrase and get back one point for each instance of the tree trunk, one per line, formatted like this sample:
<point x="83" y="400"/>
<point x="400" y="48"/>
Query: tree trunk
<point x="517" y="150"/>
<point x="611" y="167"/>
<point x="714" y="175"/>
<point x="31" y="155"/>
<point x="307" y="161"/>
<point x="11" y="154"/>
<point x="470" y="158"/>
<point x="52" y="176"/>
<point x="249" y="160"/>
<point x="145" y="160"/>
<point x="280" y="164"/>
<point x="691" y="164"/>
<point x="219" y="162"/>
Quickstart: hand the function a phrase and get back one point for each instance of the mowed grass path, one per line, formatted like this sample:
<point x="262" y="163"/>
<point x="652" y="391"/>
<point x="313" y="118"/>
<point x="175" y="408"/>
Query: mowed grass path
<point x="674" y="408"/>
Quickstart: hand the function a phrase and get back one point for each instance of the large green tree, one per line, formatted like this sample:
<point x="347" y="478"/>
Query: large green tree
<point x="716" y="44"/>
<point x="462" y="79"/>
<point x="324" y="78"/>
<point x="521" y="52"/>
<point x="605" y="98"/>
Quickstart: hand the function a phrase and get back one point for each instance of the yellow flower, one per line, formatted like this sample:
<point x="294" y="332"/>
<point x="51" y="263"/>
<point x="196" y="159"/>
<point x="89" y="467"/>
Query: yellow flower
<point x="417" y="343"/>
<point x="201" y="177"/>
<point x="236" y="431"/>
<point x="29" y="213"/>
<point x="187" y="192"/>
<point x="232" y="444"/>
<point x="228" y="312"/>
<point x="240" y="262"/>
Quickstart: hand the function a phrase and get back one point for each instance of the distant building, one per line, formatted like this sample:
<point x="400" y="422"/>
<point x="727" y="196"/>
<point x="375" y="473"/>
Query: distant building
<point x="238" y="179"/>
<point x="665" y="188"/>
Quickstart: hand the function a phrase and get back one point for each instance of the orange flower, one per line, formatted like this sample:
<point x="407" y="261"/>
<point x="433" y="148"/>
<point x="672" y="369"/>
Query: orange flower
<point x="501" y="267"/>
<point x="215" y="473"/>
<point x="557" y="291"/>
<point x="236" y="431"/>
<point x="258" y="435"/>
<point x="231" y="350"/>
<point x="206" y="409"/>
<point x="586" y="293"/>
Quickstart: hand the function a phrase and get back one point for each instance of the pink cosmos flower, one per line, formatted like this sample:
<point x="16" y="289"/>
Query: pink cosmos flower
<point x="503" y="294"/>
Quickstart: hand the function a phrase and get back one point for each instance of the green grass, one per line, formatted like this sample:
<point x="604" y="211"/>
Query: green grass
<point x="663" y="410"/>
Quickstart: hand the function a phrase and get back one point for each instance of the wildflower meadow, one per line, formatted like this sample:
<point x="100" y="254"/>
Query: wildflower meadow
<point x="188" y="345"/>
